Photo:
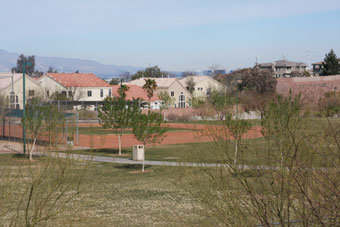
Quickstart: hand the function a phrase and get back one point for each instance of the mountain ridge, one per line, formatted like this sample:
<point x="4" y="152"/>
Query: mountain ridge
<point x="8" y="60"/>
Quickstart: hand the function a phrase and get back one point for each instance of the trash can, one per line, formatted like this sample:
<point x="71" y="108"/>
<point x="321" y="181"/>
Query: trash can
<point x="138" y="153"/>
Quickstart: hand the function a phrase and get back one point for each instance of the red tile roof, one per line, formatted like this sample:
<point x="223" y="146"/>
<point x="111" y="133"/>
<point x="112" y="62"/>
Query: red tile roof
<point x="134" y="92"/>
<point x="78" y="80"/>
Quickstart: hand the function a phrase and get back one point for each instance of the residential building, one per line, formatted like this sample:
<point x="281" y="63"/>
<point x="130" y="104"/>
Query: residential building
<point x="204" y="85"/>
<point x="136" y="92"/>
<point x="84" y="87"/>
<point x="11" y="87"/>
<point x="283" y="68"/>
<point x="181" y="96"/>
<point x="317" y="68"/>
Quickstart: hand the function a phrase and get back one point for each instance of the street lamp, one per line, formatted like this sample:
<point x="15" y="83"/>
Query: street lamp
<point x="24" y="101"/>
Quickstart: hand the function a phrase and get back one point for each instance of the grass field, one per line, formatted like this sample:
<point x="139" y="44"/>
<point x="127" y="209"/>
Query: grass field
<point x="112" y="195"/>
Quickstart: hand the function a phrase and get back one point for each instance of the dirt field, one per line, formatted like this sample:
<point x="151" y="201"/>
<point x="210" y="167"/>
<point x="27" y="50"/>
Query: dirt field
<point x="199" y="134"/>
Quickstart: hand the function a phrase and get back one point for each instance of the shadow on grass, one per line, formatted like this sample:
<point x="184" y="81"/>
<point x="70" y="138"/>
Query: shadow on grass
<point x="24" y="156"/>
<point x="132" y="166"/>
<point x="107" y="151"/>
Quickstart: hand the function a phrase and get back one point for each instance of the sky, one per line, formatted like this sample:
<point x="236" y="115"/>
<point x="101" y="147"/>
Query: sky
<point x="176" y="35"/>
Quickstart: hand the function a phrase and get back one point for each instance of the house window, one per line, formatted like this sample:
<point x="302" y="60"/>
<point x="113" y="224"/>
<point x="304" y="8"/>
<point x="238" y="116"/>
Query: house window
<point x="89" y="93"/>
<point x="13" y="101"/>
<point x="48" y="93"/>
<point x="70" y="94"/>
<point x="172" y="93"/>
<point x="181" y="102"/>
<point x="30" y="93"/>
<point x="208" y="91"/>
<point x="101" y="93"/>
<point x="63" y="93"/>
<point x="110" y="94"/>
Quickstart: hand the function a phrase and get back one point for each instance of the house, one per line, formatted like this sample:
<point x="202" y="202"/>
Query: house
<point x="11" y="87"/>
<point x="181" y="96"/>
<point x="137" y="92"/>
<point x="85" y="87"/>
<point x="283" y="68"/>
<point x="204" y="85"/>
<point x="317" y="68"/>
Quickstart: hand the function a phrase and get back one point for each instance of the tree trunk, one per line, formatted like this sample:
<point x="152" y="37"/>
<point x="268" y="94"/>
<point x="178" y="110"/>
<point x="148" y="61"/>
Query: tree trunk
<point x="119" y="145"/>
<point x="31" y="153"/>
<point x="236" y="150"/>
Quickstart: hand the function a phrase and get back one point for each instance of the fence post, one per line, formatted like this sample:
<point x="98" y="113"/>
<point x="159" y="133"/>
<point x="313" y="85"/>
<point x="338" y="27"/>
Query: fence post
<point x="77" y="114"/>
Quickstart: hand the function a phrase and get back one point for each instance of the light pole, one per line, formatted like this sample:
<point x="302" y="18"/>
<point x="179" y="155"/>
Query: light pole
<point x="24" y="101"/>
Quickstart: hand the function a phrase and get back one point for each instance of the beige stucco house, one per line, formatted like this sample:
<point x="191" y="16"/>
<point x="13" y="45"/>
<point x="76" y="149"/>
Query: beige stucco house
<point x="11" y="88"/>
<point x="204" y="85"/>
<point x="76" y="86"/>
<point x="181" y="96"/>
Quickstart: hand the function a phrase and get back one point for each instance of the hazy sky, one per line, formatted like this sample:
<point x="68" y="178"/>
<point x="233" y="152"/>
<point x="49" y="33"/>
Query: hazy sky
<point x="174" y="34"/>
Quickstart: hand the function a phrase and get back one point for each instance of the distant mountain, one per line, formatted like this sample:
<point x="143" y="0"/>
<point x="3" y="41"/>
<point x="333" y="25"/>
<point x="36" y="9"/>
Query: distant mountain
<point x="8" y="60"/>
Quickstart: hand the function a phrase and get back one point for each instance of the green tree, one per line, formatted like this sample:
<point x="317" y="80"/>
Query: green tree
<point x="330" y="64"/>
<point x="149" y="86"/>
<point x="118" y="115"/>
<point x="221" y="102"/>
<point x="150" y="72"/>
<point x="122" y="90"/>
<point x="166" y="99"/>
<point x="147" y="129"/>
<point x="190" y="84"/>
<point x="114" y="81"/>
<point x="30" y="69"/>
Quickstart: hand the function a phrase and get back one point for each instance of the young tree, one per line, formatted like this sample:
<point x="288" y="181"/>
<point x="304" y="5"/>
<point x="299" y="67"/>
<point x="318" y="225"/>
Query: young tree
<point x="118" y="115"/>
<point x="35" y="119"/>
<point x="221" y="102"/>
<point x="237" y="128"/>
<point x="149" y="86"/>
<point x="147" y="129"/>
<point x="331" y="64"/>
<point x="166" y="99"/>
<point x="52" y="70"/>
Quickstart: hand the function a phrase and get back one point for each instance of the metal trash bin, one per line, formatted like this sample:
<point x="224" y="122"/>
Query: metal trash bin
<point x="138" y="153"/>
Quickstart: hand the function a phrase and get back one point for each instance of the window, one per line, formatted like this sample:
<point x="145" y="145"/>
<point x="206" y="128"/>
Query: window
<point x="208" y="91"/>
<point x="70" y="94"/>
<point x="30" y="93"/>
<point x="110" y="94"/>
<point x="172" y="93"/>
<point x="101" y="93"/>
<point x="181" y="102"/>
<point x="89" y="93"/>
<point x="13" y="100"/>
<point x="63" y="93"/>
<point x="48" y="93"/>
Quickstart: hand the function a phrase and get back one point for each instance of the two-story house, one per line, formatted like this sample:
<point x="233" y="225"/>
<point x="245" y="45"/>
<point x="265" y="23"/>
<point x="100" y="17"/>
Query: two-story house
<point x="203" y="85"/>
<point x="11" y="88"/>
<point x="283" y="68"/>
<point x="181" y="96"/>
<point x="84" y="87"/>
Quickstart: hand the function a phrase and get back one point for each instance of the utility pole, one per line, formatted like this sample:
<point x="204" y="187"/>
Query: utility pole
<point x="24" y="101"/>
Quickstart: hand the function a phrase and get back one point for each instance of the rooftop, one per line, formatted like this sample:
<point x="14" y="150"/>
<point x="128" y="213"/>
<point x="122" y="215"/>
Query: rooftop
<point x="78" y="80"/>
<point x="6" y="79"/>
<point x="134" y="92"/>
<point x="283" y="63"/>
<point x="161" y="82"/>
